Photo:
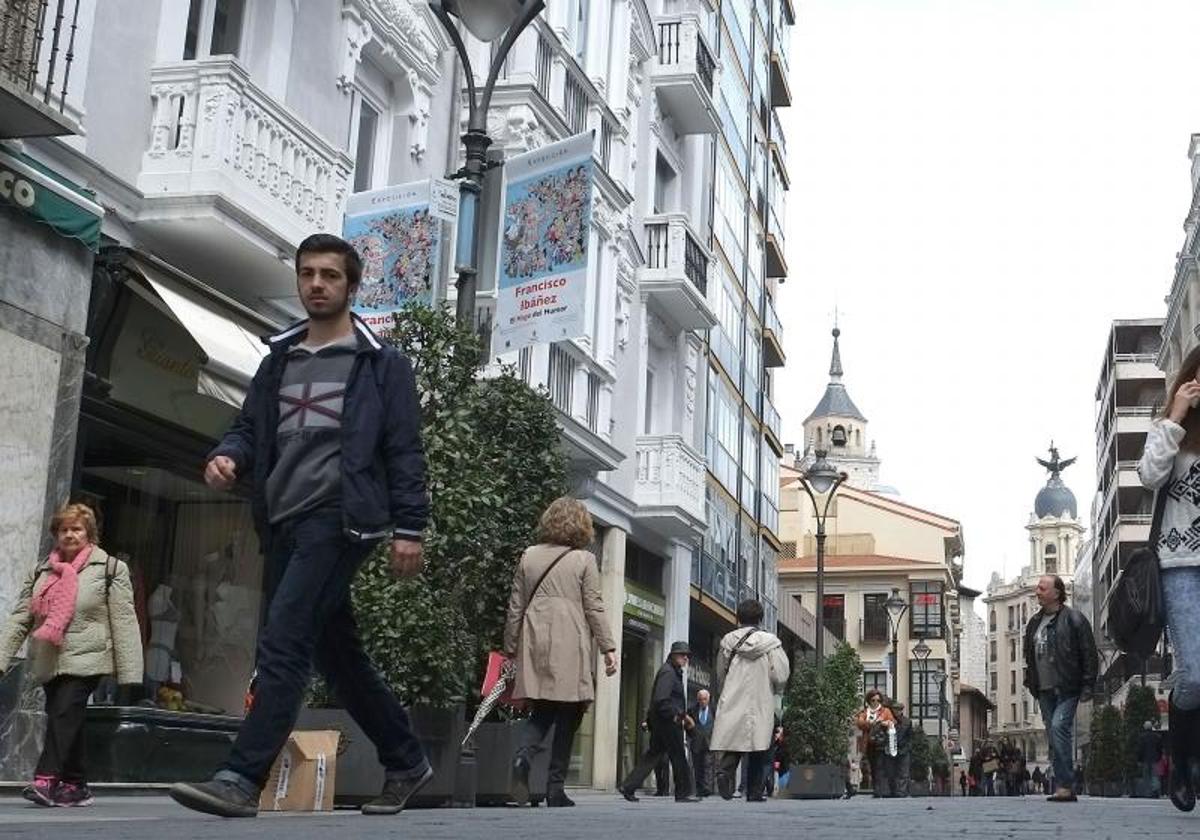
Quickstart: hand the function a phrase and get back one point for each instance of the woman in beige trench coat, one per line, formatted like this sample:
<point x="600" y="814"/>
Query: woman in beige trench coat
<point x="555" y="620"/>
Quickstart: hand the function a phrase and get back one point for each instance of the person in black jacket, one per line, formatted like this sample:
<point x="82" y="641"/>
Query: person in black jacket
<point x="329" y="437"/>
<point x="668" y="719"/>
<point x="899" y="766"/>
<point x="1060" y="671"/>
<point x="703" y="714"/>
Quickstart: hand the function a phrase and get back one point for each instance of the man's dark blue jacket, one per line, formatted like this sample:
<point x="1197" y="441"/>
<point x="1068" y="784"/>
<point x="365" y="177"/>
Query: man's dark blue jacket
<point x="383" y="463"/>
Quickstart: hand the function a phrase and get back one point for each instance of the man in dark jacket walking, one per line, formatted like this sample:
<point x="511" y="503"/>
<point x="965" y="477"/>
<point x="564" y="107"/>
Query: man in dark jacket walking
<point x="899" y="766"/>
<point x="703" y="714"/>
<point x="668" y="718"/>
<point x="1060" y="671"/>
<point x="329" y="436"/>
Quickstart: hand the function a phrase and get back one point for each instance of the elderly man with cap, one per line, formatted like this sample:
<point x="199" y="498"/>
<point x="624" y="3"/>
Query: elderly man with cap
<point x="668" y="719"/>
<point x="899" y="766"/>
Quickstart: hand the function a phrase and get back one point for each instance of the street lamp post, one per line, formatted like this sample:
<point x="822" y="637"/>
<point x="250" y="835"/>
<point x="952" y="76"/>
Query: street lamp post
<point x="921" y="651"/>
<point x="940" y="679"/>
<point x="821" y="479"/>
<point x="896" y="606"/>
<point x="487" y="20"/>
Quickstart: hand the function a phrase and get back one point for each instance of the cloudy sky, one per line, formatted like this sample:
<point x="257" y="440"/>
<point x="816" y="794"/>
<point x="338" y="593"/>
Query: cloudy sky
<point x="980" y="187"/>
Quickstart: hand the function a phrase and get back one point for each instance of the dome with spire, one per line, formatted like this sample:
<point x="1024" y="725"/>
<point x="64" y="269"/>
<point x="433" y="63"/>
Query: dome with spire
<point x="836" y="400"/>
<point x="1055" y="499"/>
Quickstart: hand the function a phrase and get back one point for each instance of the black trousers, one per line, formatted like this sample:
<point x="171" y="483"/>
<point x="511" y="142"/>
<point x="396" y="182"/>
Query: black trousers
<point x="702" y="759"/>
<point x="756" y="766"/>
<point x="666" y="738"/>
<point x="565" y="719"/>
<point x="662" y="776"/>
<point x="63" y="755"/>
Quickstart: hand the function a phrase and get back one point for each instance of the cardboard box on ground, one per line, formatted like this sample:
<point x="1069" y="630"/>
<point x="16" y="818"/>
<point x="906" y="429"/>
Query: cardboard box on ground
<point x="304" y="774"/>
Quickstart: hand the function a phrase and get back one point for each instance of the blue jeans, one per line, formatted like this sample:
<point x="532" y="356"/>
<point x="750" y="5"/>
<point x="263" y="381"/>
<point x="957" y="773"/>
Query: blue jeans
<point x="309" y="569"/>
<point x="1058" y="711"/>
<point x="1181" y="592"/>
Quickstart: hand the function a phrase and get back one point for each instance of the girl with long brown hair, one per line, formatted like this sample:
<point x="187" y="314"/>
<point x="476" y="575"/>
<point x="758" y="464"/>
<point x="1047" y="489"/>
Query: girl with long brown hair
<point x="1170" y="464"/>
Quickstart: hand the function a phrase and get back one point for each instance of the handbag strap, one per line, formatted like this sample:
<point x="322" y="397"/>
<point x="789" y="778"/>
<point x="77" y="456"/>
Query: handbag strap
<point x="736" y="648"/>
<point x="533" y="592"/>
<point x="1160" y="505"/>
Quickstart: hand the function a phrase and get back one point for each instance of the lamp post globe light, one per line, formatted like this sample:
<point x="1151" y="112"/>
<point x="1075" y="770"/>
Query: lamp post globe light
<point x="821" y="479"/>
<point x="921" y="652"/>
<point x="896" y="607"/>
<point x="486" y="20"/>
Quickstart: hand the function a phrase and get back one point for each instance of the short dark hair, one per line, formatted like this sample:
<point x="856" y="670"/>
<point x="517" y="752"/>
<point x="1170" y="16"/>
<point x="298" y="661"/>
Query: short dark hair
<point x="749" y="612"/>
<point x="327" y="243"/>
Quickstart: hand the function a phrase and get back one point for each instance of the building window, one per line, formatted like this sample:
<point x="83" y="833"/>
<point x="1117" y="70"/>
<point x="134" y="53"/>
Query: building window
<point x="1024" y="710"/>
<point x="992" y="620"/>
<point x="646" y="421"/>
<point x="664" y="185"/>
<point x="364" y="157"/>
<point x="877" y="680"/>
<point x="1051" y="560"/>
<point x="993" y="683"/>
<point x="1013" y="712"/>
<point x="993" y="650"/>
<point x="833" y="615"/>
<point x="923" y="693"/>
<point x="839" y="436"/>
<point x="1012" y="682"/>
<point x="875" y="618"/>
<point x="1012" y="650"/>
<point x="214" y="27"/>
<point x="926" y="610"/>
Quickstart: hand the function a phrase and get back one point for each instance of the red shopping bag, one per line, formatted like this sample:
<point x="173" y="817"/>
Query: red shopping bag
<point x="495" y="673"/>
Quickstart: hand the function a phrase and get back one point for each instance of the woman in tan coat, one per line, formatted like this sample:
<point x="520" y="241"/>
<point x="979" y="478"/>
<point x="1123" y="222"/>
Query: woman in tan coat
<point x="555" y="620"/>
<point x="77" y="608"/>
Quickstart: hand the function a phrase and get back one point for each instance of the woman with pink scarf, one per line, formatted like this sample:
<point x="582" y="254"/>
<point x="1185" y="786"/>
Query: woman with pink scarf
<point x="76" y="608"/>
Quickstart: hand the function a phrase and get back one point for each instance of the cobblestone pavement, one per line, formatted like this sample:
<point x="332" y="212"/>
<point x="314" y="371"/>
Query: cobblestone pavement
<point x="607" y="816"/>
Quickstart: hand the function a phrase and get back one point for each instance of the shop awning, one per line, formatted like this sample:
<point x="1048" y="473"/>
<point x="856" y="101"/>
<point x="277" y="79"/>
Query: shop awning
<point x="47" y="197"/>
<point x="228" y="334"/>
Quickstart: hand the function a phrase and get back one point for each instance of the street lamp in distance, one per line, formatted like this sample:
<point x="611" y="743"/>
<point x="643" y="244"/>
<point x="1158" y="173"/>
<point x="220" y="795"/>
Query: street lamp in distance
<point x="487" y="20"/>
<point x="921" y="652"/>
<point x="821" y="479"/>
<point x="940" y="678"/>
<point x="896" y="607"/>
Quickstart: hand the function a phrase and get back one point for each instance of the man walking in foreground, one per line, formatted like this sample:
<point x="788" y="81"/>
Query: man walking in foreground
<point x="667" y="718"/>
<point x="329" y="437"/>
<point x="752" y="668"/>
<point x="1060" y="671"/>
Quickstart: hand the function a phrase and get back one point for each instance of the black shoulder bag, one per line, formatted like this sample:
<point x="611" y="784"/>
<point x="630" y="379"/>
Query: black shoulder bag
<point x="1136" y="613"/>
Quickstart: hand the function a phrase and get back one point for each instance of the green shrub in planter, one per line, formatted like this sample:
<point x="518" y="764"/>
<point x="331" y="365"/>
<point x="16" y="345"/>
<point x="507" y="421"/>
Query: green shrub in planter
<point x="1106" y="749"/>
<point x="921" y="754"/>
<point x="818" y="706"/>
<point x="1140" y="706"/>
<point x="494" y="465"/>
<point x="939" y="762"/>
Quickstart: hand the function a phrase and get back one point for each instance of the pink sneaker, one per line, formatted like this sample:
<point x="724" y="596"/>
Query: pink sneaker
<point x="72" y="795"/>
<point x="41" y="792"/>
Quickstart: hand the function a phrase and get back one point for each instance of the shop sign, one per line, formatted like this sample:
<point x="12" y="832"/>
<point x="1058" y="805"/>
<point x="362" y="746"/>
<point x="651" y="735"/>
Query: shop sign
<point x="400" y="242"/>
<point x="541" y="288"/>
<point x="32" y="189"/>
<point x="643" y="604"/>
<point x="443" y="199"/>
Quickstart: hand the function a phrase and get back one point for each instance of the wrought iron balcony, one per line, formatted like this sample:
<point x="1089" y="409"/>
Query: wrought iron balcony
<point x="684" y="74"/>
<point x="37" y="50"/>
<point x="676" y="272"/>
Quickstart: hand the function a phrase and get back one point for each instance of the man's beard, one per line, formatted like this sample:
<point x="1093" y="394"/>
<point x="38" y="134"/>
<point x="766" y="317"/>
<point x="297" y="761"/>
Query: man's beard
<point x="329" y="315"/>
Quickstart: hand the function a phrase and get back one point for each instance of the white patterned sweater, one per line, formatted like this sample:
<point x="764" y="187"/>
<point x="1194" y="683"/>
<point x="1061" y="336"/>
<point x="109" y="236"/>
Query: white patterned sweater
<point x="1165" y="468"/>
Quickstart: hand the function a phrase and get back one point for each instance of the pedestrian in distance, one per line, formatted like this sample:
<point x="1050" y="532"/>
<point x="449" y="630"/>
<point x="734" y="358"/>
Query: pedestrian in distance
<point x="1170" y="465"/>
<point x="556" y="619"/>
<point x="875" y="722"/>
<point x="668" y="719"/>
<point x="1061" y="665"/>
<point x="964" y="782"/>
<point x="76" y="609"/>
<point x="699" y="739"/>
<point x="752" y="669"/>
<point x="899" y="766"/>
<point x="1037" y="778"/>
<point x="329" y="439"/>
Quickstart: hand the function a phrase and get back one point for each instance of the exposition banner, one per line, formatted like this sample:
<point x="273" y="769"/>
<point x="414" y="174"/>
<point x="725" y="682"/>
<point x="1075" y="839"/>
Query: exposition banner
<point x="400" y="243"/>
<point x="541" y="288"/>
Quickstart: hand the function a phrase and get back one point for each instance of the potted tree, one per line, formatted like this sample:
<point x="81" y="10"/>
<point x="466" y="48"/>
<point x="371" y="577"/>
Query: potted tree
<point x="1106" y="753"/>
<point x="939" y="768"/>
<point x="919" y="763"/>
<point x="816" y="722"/>
<point x="494" y="464"/>
<point x="1141" y="707"/>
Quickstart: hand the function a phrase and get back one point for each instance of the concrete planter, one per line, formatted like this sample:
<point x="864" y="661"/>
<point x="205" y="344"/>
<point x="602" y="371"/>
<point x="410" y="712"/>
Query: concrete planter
<point x="816" y="781"/>
<point x="359" y="774"/>
<point x="495" y="746"/>
<point x="138" y="745"/>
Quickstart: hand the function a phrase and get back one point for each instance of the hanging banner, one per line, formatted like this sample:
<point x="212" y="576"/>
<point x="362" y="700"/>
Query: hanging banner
<point x="541" y="289"/>
<point x="400" y="243"/>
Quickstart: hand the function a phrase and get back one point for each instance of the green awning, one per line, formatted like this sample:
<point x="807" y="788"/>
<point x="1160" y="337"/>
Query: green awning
<point x="49" y="198"/>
